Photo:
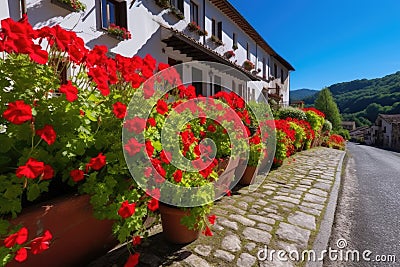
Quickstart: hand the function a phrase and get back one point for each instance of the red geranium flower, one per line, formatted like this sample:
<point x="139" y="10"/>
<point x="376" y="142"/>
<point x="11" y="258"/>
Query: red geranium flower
<point x="47" y="134"/>
<point x="21" y="255"/>
<point x="136" y="125"/>
<point x="177" y="176"/>
<point x="31" y="170"/>
<point x="136" y="240"/>
<point x="207" y="232"/>
<point x="149" y="148"/>
<point x="162" y="107"/>
<point x="153" y="204"/>
<point x="70" y="91"/>
<point x="48" y="172"/>
<point x="126" y="210"/>
<point x="40" y="244"/>
<point x="211" y="128"/>
<point x="18" y="112"/>
<point x="151" y="122"/>
<point x="77" y="175"/>
<point x="97" y="163"/>
<point x="133" y="147"/>
<point x="119" y="110"/>
<point x="19" y="238"/>
<point x="133" y="260"/>
<point x="212" y="218"/>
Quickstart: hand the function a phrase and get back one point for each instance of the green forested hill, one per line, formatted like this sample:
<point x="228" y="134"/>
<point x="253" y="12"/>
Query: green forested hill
<point x="362" y="100"/>
<point x="301" y="94"/>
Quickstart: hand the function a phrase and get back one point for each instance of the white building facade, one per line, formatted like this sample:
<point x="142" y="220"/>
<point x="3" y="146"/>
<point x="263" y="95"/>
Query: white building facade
<point x="163" y="32"/>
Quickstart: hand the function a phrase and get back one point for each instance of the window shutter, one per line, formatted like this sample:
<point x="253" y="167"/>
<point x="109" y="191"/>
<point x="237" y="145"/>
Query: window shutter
<point x="213" y="31"/>
<point x="180" y="6"/>
<point x="220" y="30"/>
<point x="121" y="16"/>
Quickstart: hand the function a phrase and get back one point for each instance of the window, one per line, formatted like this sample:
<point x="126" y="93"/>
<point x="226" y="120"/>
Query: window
<point x="264" y="68"/>
<point x="248" y="51"/>
<point x="219" y="30"/>
<point x="275" y="70"/>
<point x="178" y="4"/>
<point x="241" y="90"/>
<point x="234" y="38"/>
<point x="282" y="77"/>
<point x="233" y="86"/>
<point x="217" y="84"/>
<point x="194" y="12"/>
<point x="216" y="28"/>
<point x="113" y="12"/>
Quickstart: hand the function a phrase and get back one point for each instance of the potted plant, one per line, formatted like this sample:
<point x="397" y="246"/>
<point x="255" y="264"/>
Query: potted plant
<point x="229" y="54"/>
<point x="256" y="148"/>
<point x="177" y="13"/>
<point x="163" y="3"/>
<point x="216" y="40"/>
<point x="193" y="27"/>
<point x="68" y="140"/>
<point x="72" y="5"/>
<point x="248" y="65"/>
<point x="119" y="32"/>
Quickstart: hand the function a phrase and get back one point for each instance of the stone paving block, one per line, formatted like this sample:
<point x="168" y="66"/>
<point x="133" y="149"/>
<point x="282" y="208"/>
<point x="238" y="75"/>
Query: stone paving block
<point x="227" y="223"/>
<point x="287" y="199"/>
<point x="256" y="235"/>
<point x="196" y="261"/>
<point x="250" y="246"/>
<point x="293" y="233"/>
<point x="202" y="250"/>
<point x="312" y="205"/>
<point x="318" y="192"/>
<point x="302" y="219"/>
<point x="246" y="260"/>
<point x="262" y="219"/>
<point x="310" y="210"/>
<point x="231" y="243"/>
<point x="243" y="220"/>
<point x="235" y="209"/>
<point x="323" y="186"/>
<point x="264" y="227"/>
<point x="224" y="255"/>
<point x="314" y="198"/>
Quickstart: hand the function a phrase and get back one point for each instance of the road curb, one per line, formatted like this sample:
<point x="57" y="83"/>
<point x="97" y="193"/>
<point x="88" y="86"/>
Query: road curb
<point x="322" y="239"/>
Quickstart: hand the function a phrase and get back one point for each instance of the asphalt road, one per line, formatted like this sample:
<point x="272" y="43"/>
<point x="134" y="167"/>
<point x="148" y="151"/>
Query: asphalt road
<point x="368" y="213"/>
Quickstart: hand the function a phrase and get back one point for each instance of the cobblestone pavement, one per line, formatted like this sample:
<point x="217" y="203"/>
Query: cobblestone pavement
<point x="283" y="214"/>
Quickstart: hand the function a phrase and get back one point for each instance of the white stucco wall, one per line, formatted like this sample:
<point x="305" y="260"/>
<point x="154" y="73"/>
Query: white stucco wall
<point x="144" y="19"/>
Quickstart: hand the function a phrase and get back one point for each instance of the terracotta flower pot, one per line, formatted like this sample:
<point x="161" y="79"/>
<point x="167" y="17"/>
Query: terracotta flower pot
<point x="226" y="170"/>
<point x="248" y="175"/>
<point x="78" y="237"/>
<point x="173" y="230"/>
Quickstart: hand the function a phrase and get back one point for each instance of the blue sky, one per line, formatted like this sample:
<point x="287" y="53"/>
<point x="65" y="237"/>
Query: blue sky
<point x="329" y="41"/>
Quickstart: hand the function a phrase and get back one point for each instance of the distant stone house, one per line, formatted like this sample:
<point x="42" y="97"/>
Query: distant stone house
<point x="349" y="125"/>
<point x="385" y="132"/>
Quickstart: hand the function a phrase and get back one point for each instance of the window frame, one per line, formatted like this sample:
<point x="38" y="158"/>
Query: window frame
<point x="194" y="5"/>
<point x="120" y="13"/>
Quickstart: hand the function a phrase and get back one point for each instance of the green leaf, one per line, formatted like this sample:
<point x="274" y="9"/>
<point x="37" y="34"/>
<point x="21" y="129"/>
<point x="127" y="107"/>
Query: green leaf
<point x="33" y="192"/>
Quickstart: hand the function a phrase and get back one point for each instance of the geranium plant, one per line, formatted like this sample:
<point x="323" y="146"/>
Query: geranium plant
<point x="230" y="53"/>
<point x="75" y="5"/>
<point x="248" y="65"/>
<point x="119" y="32"/>
<point x="68" y="132"/>
<point x="216" y="40"/>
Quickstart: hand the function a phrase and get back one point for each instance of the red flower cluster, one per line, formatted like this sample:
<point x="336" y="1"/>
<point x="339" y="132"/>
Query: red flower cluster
<point x="18" y="112"/>
<point x="37" y="245"/>
<point x="126" y="210"/>
<point x="33" y="169"/>
<point x="47" y="134"/>
<point x="119" y="31"/>
<point x="316" y="111"/>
